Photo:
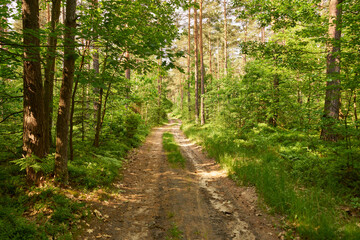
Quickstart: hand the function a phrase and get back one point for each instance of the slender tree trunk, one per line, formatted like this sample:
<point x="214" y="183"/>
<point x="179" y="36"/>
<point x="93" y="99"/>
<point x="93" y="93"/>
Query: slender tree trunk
<point x="355" y="111"/>
<point x="105" y="102"/>
<point x="96" y="65"/>
<point x="188" y="61"/>
<point x="50" y="72"/>
<point x="34" y="118"/>
<point x="332" y="95"/>
<point x="262" y="34"/>
<point x="73" y="103"/>
<point x="202" y="68"/>
<point x="196" y="66"/>
<point x="83" y="114"/>
<point x="245" y="40"/>
<point x="225" y="40"/>
<point x="218" y="59"/>
<point x="62" y="124"/>
<point x="127" y="75"/>
<point x="210" y="56"/>
<point x="98" y="113"/>
<point x="159" y="82"/>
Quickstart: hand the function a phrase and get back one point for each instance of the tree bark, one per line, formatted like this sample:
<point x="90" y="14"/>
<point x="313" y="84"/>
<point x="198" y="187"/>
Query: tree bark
<point x="196" y="66"/>
<point x="62" y="124"/>
<point x="50" y="72"/>
<point x="202" y="69"/>
<point x="34" y="118"/>
<point x="188" y="61"/>
<point x="332" y="95"/>
<point x="225" y="40"/>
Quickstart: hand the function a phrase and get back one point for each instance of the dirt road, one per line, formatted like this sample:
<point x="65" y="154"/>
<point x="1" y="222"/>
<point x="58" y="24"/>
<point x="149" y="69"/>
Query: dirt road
<point x="156" y="201"/>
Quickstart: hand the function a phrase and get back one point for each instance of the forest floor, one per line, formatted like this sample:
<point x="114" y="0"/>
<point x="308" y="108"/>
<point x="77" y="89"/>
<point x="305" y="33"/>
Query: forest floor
<point x="157" y="201"/>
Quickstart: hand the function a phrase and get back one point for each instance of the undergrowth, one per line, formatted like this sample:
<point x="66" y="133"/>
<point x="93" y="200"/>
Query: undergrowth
<point x="172" y="151"/>
<point x="51" y="212"/>
<point x="295" y="174"/>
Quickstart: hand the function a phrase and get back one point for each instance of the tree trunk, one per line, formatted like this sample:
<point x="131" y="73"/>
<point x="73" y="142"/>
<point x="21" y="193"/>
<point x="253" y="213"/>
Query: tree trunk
<point x="50" y="72"/>
<point x="225" y="40"/>
<point x="245" y="40"/>
<point x="262" y="34"/>
<point x="62" y="124"/>
<point x="34" y="118"/>
<point x="332" y="95"/>
<point x="202" y="68"/>
<point x="98" y="113"/>
<point x="73" y="103"/>
<point x="127" y="75"/>
<point x="196" y="66"/>
<point x="210" y="56"/>
<point x="188" y="62"/>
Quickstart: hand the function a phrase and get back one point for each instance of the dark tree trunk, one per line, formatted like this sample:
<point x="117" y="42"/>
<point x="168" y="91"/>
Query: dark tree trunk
<point x="98" y="112"/>
<point x="50" y="72"/>
<point x="196" y="66"/>
<point x="62" y="124"/>
<point x="202" y="68"/>
<point x="34" y="118"/>
<point x="98" y="120"/>
<point x="332" y="95"/>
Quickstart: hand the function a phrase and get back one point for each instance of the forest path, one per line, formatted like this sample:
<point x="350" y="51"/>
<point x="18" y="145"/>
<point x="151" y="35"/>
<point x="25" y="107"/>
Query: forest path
<point x="156" y="201"/>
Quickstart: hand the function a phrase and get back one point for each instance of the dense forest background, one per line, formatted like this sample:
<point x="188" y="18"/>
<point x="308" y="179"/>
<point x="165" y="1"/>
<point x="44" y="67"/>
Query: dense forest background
<point x="269" y="88"/>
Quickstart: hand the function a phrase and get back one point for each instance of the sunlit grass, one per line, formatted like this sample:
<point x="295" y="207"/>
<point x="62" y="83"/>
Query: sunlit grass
<point x="292" y="172"/>
<point x="172" y="151"/>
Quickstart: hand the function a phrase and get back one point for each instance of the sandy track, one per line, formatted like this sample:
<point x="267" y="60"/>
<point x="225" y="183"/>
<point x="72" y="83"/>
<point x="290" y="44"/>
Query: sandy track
<point x="159" y="202"/>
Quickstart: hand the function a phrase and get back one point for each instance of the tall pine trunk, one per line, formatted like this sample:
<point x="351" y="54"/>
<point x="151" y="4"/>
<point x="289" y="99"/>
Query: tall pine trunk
<point x="332" y="95"/>
<point x="50" y="72"/>
<point x="62" y="124"/>
<point x="225" y="40"/>
<point x="188" y="61"/>
<point x="202" y="69"/>
<point x="34" y="118"/>
<point x="196" y="66"/>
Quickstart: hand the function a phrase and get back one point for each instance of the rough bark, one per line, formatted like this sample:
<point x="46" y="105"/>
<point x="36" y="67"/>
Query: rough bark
<point x="202" y="69"/>
<point x="332" y="95"/>
<point x="50" y="72"/>
<point x="33" y="119"/>
<point x="196" y="66"/>
<point x="62" y="124"/>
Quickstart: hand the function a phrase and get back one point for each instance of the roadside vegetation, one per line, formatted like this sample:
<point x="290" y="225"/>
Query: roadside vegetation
<point x="51" y="211"/>
<point x="295" y="174"/>
<point x="172" y="150"/>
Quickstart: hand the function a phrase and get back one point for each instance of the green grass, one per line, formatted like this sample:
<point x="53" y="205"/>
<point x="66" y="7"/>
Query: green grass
<point x="174" y="233"/>
<point x="295" y="174"/>
<point x="173" y="151"/>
